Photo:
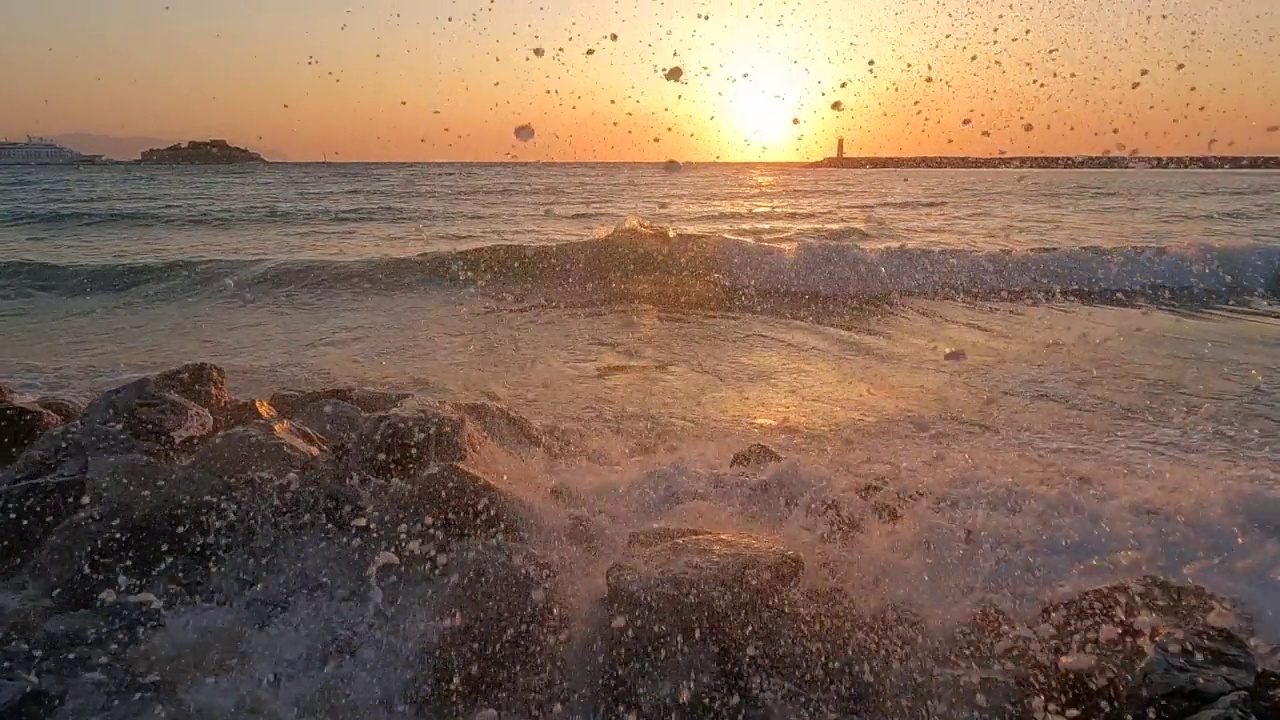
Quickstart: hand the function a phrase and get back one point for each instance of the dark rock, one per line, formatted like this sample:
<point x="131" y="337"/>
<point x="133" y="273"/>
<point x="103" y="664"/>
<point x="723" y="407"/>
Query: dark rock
<point x="1236" y="706"/>
<point x="402" y="446"/>
<point x="290" y="402"/>
<point x="652" y="537"/>
<point x="262" y="448"/>
<point x="136" y="549"/>
<point x="339" y="423"/>
<point x="7" y="394"/>
<point x="68" y="410"/>
<point x="1266" y="692"/>
<point x="504" y="649"/>
<point x="1186" y="670"/>
<point x="699" y="575"/>
<point x="29" y="512"/>
<point x="21" y="701"/>
<point x="67" y="451"/>
<point x="455" y="502"/>
<point x="755" y="455"/>
<point x="503" y="426"/>
<point x="1089" y="653"/>
<point x="147" y="413"/>
<point x="20" y="427"/>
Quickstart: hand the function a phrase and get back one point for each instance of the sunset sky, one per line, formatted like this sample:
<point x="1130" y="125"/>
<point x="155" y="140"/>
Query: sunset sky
<point x="452" y="79"/>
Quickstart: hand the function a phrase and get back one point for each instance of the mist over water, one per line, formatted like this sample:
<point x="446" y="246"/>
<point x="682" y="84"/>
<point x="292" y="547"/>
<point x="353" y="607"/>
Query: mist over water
<point x="1063" y="378"/>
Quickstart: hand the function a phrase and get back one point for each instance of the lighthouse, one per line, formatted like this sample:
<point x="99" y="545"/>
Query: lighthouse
<point x="839" y="147"/>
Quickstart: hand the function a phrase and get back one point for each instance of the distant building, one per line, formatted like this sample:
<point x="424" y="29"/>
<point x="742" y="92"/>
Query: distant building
<point x="839" y="147"/>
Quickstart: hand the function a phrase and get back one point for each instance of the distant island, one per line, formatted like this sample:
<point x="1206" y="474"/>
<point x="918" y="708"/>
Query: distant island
<point x="195" y="152"/>
<point x="1052" y="162"/>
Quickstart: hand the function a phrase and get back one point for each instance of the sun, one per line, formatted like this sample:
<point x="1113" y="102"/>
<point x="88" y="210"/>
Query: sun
<point x="762" y="105"/>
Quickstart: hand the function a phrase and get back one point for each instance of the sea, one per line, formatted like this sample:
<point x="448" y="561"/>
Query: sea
<point x="1079" y="370"/>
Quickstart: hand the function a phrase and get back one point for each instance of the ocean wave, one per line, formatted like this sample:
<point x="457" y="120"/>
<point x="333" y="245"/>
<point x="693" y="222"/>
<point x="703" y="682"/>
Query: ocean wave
<point x="643" y="262"/>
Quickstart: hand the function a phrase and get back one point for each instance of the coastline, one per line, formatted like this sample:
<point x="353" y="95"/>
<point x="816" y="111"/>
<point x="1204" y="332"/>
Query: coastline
<point x="1053" y="162"/>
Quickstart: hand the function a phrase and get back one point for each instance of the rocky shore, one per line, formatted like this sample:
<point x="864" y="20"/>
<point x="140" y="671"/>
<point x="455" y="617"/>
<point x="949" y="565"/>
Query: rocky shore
<point x="169" y="550"/>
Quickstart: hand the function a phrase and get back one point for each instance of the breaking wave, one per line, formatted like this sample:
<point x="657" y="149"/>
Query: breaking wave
<point x="643" y="262"/>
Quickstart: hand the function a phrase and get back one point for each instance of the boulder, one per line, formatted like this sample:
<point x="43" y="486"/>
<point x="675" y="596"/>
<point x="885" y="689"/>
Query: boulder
<point x="454" y="502"/>
<point x="401" y="446"/>
<point x="68" y="410"/>
<point x="22" y="701"/>
<point x="503" y="426"/>
<point x="685" y="574"/>
<point x="67" y="451"/>
<point x="21" y="426"/>
<point x="7" y="394"/>
<point x="143" y="548"/>
<point x="1236" y="706"/>
<point x="288" y="402"/>
<point x="149" y="414"/>
<point x="1112" y="650"/>
<point x="339" y="423"/>
<point x="204" y="384"/>
<point x="1186" y="670"/>
<point x="755" y="455"/>
<point x="501" y="644"/>
<point x="262" y="448"/>
<point x="29" y="512"/>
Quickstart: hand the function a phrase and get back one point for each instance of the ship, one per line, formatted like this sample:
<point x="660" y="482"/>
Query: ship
<point x="39" y="151"/>
<point x="196" y="152"/>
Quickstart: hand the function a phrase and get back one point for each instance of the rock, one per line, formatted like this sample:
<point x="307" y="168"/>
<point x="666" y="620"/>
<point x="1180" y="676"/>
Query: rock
<point x="7" y="394"/>
<point x="20" y="427"/>
<point x="29" y="512"/>
<point x="204" y="384"/>
<point x="455" y="502"/>
<point x="260" y="449"/>
<point x="402" y="446"/>
<point x="1188" y="669"/>
<point x="505" y="614"/>
<point x="21" y="701"/>
<point x="955" y="355"/>
<point x="696" y="574"/>
<point x="755" y="455"/>
<point x="289" y="402"/>
<point x="339" y="423"/>
<point x="1266" y="692"/>
<point x="143" y="548"/>
<point x="68" y="410"/>
<point x="654" y="537"/>
<point x="67" y="451"/>
<point x="147" y="413"/>
<point x="1090" y="653"/>
<point x="1236" y="706"/>
<point x="503" y="426"/>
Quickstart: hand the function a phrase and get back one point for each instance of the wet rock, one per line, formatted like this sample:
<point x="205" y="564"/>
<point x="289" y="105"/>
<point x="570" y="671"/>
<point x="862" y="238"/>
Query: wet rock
<point x="1099" y="653"/>
<point x="143" y="548"/>
<point x="22" y="701"/>
<point x="289" y="402"/>
<point x="699" y="575"/>
<point x="202" y="383"/>
<point x="502" y="613"/>
<point x="67" y="451"/>
<point x="1236" y="706"/>
<point x="1188" y="669"/>
<point x="502" y="425"/>
<point x="260" y="449"/>
<point x="653" y="537"/>
<point x="1266" y="691"/>
<point x="149" y="414"/>
<point x="402" y="446"/>
<point x="68" y="410"/>
<point x="20" y="427"/>
<point x="7" y="394"/>
<point x="339" y="423"/>
<point x="455" y="502"/>
<point x="755" y="455"/>
<point x="29" y="512"/>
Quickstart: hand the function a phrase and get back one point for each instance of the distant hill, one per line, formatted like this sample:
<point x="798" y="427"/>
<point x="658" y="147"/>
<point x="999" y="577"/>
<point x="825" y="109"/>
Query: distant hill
<point x="131" y="147"/>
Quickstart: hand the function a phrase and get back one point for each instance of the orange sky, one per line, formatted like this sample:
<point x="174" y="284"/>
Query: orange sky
<point x="451" y="79"/>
